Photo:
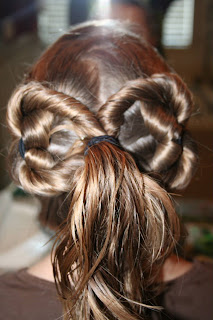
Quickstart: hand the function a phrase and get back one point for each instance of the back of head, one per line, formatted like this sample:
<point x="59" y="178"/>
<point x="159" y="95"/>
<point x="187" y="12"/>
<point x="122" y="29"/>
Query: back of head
<point x="118" y="224"/>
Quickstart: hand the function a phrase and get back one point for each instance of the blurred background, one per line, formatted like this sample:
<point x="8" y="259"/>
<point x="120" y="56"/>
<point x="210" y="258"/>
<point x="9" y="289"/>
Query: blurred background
<point x="182" y="30"/>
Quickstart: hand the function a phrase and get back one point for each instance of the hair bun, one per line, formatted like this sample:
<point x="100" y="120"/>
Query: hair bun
<point x="149" y="116"/>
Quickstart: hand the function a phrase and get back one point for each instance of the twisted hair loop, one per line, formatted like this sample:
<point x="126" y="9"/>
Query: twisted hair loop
<point x="38" y="114"/>
<point x="165" y="105"/>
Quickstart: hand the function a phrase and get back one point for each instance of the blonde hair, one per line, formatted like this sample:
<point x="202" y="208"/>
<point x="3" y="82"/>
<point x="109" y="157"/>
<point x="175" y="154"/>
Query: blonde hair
<point x="118" y="225"/>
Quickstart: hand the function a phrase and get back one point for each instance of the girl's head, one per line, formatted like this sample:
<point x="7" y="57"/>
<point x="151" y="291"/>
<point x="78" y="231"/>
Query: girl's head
<point x="118" y="224"/>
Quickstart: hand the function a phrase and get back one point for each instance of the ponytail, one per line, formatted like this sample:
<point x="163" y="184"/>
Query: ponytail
<point x="120" y="228"/>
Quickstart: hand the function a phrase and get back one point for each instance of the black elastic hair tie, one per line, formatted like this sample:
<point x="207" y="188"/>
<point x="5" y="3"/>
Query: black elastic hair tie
<point x="96" y="140"/>
<point x="178" y="141"/>
<point x="21" y="148"/>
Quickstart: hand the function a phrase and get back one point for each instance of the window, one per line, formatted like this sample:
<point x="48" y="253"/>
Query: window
<point x="53" y="20"/>
<point x="178" y="24"/>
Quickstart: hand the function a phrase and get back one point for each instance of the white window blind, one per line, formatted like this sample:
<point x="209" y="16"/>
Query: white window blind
<point x="178" y="24"/>
<point x="53" y="19"/>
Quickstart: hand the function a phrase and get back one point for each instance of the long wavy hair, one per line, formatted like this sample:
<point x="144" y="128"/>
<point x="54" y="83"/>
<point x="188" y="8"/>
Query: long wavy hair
<point x="117" y="221"/>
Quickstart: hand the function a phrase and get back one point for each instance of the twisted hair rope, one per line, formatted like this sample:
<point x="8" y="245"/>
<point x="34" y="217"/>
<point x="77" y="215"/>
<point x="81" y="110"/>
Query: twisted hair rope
<point x="151" y="92"/>
<point x="33" y="95"/>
